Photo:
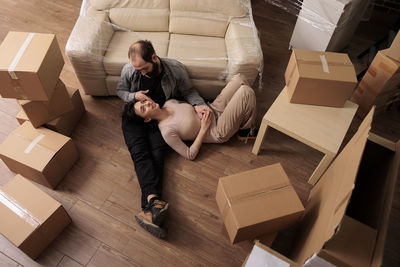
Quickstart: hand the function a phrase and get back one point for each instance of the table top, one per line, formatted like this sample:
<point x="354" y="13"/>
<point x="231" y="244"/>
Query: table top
<point x="320" y="127"/>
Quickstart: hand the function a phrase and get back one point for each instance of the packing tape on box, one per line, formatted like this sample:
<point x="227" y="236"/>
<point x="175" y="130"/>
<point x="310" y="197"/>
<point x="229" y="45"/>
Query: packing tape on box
<point x="330" y="63"/>
<point x="18" y="56"/>
<point x="34" y="143"/>
<point x="249" y="195"/>
<point x="325" y="67"/>
<point x="13" y="205"/>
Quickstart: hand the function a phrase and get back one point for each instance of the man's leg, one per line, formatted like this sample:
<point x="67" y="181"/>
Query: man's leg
<point x="141" y="139"/>
<point x="136" y="139"/>
<point x="239" y="113"/>
<point x="158" y="147"/>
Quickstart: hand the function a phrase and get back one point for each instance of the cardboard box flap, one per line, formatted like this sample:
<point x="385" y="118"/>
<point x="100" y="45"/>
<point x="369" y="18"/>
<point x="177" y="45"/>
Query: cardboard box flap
<point x="262" y="255"/>
<point x="394" y="64"/>
<point x="393" y="173"/>
<point x="327" y="199"/>
<point x="22" y="115"/>
<point x="353" y="245"/>
<point x="31" y="48"/>
<point x="33" y="147"/>
<point x="325" y="65"/>
<point x="394" y="50"/>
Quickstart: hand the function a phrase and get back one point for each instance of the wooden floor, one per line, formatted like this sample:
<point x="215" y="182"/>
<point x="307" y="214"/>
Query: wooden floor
<point x="101" y="192"/>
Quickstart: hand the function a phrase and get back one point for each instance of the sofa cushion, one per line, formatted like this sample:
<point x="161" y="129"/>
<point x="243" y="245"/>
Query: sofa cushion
<point x="204" y="57"/>
<point x="108" y="4"/>
<point x="208" y="89"/>
<point x="198" y="23"/>
<point x="227" y="7"/>
<point x="112" y="82"/>
<point x="116" y="55"/>
<point x="137" y="19"/>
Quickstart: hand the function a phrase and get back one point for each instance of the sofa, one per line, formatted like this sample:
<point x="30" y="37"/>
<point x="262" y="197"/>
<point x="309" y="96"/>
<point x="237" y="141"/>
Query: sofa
<point x="213" y="39"/>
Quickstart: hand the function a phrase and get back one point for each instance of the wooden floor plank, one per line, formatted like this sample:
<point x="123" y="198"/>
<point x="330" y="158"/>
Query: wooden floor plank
<point x="68" y="262"/>
<point x="101" y="192"/>
<point x="49" y="257"/>
<point x="76" y="244"/>
<point x="106" y="256"/>
<point x="101" y="226"/>
<point x="7" y="262"/>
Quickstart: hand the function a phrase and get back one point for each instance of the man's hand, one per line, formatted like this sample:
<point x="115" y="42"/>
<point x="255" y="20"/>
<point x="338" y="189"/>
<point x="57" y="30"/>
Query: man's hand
<point x="141" y="96"/>
<point x="200" y="110"/>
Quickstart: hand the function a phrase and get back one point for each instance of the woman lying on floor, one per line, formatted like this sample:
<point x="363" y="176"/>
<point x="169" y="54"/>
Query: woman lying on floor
<point x="233" y="109"/>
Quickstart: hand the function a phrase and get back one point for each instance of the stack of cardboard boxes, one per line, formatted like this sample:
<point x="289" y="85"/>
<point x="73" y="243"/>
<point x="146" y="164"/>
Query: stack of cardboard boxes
<point x="380" y="85"/>
<point x="330" y="232"/>
<point x="30" y="67"/>
<point x="262" y="202"/>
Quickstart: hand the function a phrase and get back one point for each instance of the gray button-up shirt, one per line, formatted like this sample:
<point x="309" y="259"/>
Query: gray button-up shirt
<point x="175" y="83"/>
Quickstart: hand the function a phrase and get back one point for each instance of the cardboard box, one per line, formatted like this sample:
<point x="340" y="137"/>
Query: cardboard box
<point x="41" y="155"/>
<point x="30" y="219"/>
<point x="379" y="84"/>
<point x="30" y="65"/>
<point x="40" y="112"/>
<point x="394" y="49"/>
<point x="262" y="255"/>
<point x="66" y="123"/>
<point x="21" y="117"/>
<point x="327" y="25"/>
<point x="324" y="231"/>
<point x="257" y="202"/>
<point x="353" y="245"/>
<point x="319" y="78"/>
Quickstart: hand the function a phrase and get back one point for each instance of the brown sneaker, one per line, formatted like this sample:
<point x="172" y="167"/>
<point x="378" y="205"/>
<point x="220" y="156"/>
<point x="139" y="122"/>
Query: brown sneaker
<point x="144" y="219"/>
<point x="159" y="210"/>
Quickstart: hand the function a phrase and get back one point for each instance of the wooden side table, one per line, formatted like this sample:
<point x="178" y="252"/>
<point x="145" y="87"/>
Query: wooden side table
<point x="322" y="128"/>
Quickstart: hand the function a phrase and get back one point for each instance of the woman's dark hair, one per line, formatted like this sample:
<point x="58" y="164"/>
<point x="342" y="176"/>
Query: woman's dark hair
<point x="129" y="112"/>
<point x="146" y="50"/>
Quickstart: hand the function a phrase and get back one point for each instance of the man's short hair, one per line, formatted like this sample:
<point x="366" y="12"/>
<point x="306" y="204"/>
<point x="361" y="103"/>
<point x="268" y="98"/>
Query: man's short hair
<point x="146" y="50"/>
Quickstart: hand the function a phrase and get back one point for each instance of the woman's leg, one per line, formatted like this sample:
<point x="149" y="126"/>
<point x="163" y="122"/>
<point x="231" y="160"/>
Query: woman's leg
<point x="239" y="113"/>
<point x="226" y="94"/>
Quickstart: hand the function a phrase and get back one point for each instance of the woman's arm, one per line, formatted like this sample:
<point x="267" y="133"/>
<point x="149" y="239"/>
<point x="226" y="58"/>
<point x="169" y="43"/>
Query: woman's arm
<point x="205" y="124"/>
<point x="176" y="143"/>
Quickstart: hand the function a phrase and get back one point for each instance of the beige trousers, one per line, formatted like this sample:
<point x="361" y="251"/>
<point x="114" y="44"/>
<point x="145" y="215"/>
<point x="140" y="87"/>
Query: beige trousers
<point x="234" y="108"/>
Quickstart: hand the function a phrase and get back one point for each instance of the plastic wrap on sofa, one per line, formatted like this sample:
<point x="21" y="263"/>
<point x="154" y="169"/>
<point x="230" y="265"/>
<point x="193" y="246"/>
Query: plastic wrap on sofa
<point x="213" y="42"/>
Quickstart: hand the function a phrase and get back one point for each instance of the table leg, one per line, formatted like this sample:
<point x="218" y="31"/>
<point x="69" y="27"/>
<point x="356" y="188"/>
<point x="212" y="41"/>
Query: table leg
<point x="322" y="166"/>
<point x="260" y="137"/>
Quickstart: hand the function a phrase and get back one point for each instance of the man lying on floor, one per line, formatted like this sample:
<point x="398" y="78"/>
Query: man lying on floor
<point x="149" y="77"/>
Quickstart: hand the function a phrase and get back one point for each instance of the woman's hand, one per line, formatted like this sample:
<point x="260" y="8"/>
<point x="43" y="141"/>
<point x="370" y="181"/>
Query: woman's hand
<point x="206" y="120"/>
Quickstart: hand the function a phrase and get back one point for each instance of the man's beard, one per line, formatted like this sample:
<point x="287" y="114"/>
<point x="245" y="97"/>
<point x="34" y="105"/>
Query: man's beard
<point x="154" y="72"/>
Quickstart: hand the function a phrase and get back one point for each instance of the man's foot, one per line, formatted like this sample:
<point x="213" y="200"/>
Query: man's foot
<point x="158" y="209"/>
<point x="144" y="219"/>
<point x="247" y="134"/>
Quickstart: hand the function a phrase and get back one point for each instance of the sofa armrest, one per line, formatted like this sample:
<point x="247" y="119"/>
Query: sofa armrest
<point x="244" y="49"/>
<point x="85" y="49"/>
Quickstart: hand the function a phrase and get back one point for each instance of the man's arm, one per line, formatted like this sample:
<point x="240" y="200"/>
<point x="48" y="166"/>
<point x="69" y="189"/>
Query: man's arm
<point x="124" y="84"/>
<point x="185" y="87"/>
